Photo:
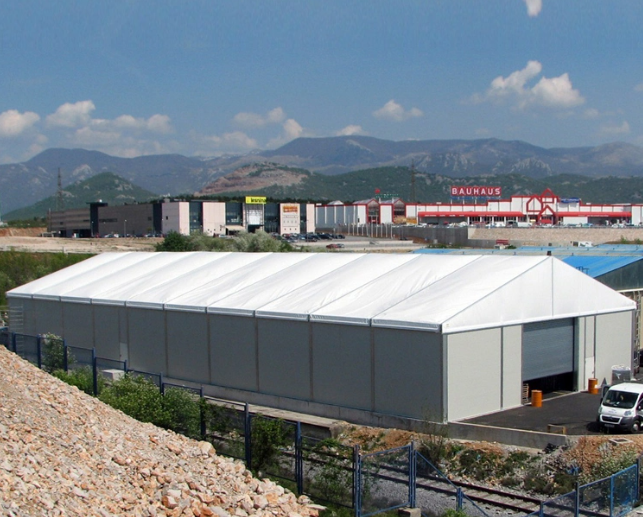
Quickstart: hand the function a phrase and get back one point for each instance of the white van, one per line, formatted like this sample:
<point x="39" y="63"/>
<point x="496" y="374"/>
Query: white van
<point x="622" y="408"/>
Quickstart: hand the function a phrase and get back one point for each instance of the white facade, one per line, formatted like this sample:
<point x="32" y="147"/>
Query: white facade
<point x="214" y="218"/>
<point x="289" y="218"/>
<point x="543" y="208"/>
<point x="176" y="217"/>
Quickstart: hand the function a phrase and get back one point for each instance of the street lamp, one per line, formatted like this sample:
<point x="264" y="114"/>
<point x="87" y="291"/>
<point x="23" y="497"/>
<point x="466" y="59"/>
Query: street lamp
<point x="125" y="228"/>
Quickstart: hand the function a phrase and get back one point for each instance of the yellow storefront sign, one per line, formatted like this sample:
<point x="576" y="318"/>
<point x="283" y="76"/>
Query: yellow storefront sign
<point x="255" y="200"/>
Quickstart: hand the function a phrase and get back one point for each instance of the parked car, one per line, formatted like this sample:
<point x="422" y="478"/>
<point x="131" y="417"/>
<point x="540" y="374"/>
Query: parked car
<point x="334" y="245"/>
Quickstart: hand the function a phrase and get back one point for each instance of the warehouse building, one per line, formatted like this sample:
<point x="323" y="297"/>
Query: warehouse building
<point x="379" y="339"/>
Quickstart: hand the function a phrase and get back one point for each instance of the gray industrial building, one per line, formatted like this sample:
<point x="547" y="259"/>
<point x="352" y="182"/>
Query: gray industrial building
<point x="380" y="339"/>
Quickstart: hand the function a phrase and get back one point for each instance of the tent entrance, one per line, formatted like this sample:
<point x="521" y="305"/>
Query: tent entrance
<point x="548" y="355"/>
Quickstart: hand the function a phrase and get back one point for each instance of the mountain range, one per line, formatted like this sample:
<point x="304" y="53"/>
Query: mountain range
<point x="309" y="160"/>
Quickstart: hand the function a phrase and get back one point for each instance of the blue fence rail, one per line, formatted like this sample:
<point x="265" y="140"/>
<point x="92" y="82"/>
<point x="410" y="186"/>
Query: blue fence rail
<point x="326" y="470"/>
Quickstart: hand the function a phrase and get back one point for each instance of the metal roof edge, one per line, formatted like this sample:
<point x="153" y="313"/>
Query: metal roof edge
<point x="341" y="320"/>
<point x="406" y="325"/>
<point x="281" y="315"/>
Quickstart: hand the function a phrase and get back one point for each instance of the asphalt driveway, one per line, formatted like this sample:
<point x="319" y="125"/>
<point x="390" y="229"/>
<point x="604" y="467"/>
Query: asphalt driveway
<point x="575" y="412"/>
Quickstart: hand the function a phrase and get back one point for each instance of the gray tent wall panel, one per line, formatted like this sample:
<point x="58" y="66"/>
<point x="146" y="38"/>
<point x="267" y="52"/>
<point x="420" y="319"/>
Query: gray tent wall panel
<point x="233" y="352"/>
<point x="110" y="330"/>
<point x="187" y="346"/>
<point x="613" y="343"/>
<point x="511" y="366"/>
<point x="48" y="318"/>
<point x="284" y="358"/>
<point x="342" y="365"/>
<point x="78" y="324"/>
<point x="146" y="332"/>
<point x="24" y="321"/>
<point x="407" y="373"/>
<point x="474" y="373"/>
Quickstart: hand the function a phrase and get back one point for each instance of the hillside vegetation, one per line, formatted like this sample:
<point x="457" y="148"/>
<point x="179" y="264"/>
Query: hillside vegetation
<point x="18" y="268"/>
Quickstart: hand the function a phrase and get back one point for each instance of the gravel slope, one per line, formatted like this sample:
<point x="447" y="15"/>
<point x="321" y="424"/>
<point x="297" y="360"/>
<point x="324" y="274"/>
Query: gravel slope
<point x="64" y="453"/>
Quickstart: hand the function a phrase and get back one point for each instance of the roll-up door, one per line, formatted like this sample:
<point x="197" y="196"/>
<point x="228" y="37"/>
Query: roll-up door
<point x="547" y="349"/>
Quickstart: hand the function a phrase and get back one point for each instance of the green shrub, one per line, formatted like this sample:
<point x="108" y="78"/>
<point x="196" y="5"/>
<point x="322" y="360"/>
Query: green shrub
<point x="268" y="437"/>
<point x="137" y="397"/>
<point x="82" y="378"/>
<point x="183" y="412"/>
<point x="178" y="410"/>
<point x="53" y="353"/>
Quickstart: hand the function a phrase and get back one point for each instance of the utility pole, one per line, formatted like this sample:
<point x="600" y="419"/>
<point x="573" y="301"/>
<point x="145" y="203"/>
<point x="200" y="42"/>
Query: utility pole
<point x="59" y="193"/>
<point x="412" y="196"/>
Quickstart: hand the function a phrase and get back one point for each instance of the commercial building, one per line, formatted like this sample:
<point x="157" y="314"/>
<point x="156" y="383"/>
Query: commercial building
<point x="545" y="208"/>
<point x="185" y="217"/>
<point x="379" y="339"/>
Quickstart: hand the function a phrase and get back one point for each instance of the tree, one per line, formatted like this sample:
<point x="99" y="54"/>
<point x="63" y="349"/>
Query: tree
<point x="174" y="241"/>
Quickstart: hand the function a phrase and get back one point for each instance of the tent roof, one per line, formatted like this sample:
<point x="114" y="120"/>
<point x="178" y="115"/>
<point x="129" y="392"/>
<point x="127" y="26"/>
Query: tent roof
<point x="448" y="293"/>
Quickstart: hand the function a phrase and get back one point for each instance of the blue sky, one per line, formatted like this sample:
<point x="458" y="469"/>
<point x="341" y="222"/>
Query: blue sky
<point x="230" y="76"/>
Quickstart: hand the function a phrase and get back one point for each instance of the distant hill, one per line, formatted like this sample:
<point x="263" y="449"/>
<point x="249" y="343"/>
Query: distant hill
<point x="106" y="187"/>
<point x="295" y="184"/>
<point x="26" y="183"/>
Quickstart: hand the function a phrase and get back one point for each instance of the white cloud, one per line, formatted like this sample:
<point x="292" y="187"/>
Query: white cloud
<point x="292" y="129"/>
<point x="534" y="7"/>
<point x="156" y="123"/>
<point x="556" y="92"/>
<point x="591" y="113"/>
<point x="255" y="120"/>
<point x="235" y="141"/>
<point x="72" y="115"/>
<point x="622" y="129"/>
<point x="395" y="112"/>
<point x="350" y="130"/>
<point x="13" y="123"/>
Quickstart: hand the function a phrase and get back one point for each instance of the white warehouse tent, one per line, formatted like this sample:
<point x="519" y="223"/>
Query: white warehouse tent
<point x="371" y="338"/>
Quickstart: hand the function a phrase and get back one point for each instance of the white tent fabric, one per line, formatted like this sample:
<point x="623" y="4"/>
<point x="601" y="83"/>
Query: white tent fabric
<point x="63" y="275"/>
<point x="447" y="293"/>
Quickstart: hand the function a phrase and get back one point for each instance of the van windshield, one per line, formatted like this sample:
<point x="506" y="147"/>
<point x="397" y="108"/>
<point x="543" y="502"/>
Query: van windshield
<point x="622" y="399"/>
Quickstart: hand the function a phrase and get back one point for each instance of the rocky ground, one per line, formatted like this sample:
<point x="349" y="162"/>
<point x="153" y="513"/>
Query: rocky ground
<point x="64" y="453"/>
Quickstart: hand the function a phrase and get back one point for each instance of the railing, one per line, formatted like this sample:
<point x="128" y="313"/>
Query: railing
<point x="326" y="470"/>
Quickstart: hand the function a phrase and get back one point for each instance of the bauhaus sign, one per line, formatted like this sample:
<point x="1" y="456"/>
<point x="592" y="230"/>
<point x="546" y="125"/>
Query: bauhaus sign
<point x="469" y="191"/>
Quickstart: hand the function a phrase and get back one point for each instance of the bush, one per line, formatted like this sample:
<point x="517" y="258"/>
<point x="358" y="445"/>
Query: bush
<point x="138" y="397"/>
<point x="268" y="436"/>
<point x="82" y="378"/>
<point x="183" y="412"/>
<point x="53" y="353"/>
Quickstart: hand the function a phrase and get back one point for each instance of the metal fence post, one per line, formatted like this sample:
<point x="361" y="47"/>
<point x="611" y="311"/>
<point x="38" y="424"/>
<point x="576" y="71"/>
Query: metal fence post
<point x="299" y="460"/>
<point x="39" y="350"/>
<point x="357" y="488"/>
<point x="248" y="435"/>
<point x="458" y="499"/>
<point x="161" y="384"/>
<point x="65" y="356"/>
<point x="95" y="372"/>
<point x="202" y="407"/>
<point x="612" y="495"/>
<point x="412" y="475"/>
<point x="577" y="501"/>
<point x="638" y="481"/>
<point x="14" y="342"/>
